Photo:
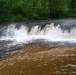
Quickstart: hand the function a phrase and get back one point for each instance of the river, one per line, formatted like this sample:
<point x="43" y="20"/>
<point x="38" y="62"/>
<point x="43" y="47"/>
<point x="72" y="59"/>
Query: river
<point x="38" y="48"/>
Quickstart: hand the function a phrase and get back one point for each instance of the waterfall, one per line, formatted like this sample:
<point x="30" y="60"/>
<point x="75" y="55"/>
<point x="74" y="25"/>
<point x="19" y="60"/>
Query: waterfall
<point x="49" y="32"/>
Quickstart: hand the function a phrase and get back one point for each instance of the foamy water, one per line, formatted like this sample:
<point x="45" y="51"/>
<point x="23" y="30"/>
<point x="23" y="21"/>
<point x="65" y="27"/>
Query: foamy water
<point x="49" y="33"/>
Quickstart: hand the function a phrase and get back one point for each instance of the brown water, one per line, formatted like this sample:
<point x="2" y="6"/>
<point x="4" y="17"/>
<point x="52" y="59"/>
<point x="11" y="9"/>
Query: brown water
<point x="40" y="60"/>
<point x="38" y="48"/>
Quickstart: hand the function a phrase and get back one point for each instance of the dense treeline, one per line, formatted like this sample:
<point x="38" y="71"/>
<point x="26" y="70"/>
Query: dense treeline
<point x="20" y="10"/>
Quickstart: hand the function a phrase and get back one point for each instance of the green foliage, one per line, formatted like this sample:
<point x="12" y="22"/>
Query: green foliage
<point x="21" y="10"/>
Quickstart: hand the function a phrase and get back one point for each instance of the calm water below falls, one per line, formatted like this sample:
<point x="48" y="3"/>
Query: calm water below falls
<point x="38" y="48"/>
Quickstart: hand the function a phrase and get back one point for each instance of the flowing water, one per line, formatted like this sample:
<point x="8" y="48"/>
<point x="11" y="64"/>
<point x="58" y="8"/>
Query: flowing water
<point x="56" y="33"/>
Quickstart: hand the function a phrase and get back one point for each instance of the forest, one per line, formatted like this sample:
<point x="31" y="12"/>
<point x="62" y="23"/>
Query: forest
<point x="22" y="10"/>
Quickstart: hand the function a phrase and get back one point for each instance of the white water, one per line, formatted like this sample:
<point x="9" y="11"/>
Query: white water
<point x="49" y="33"/>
